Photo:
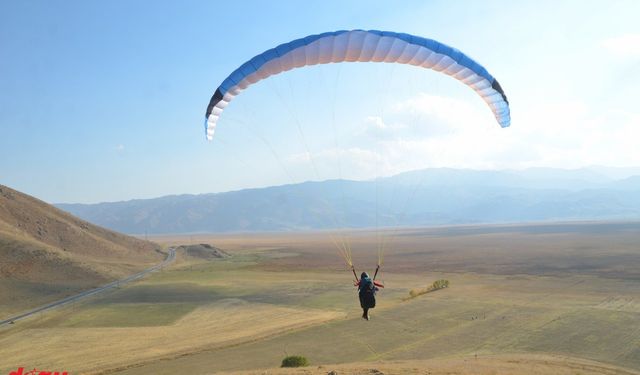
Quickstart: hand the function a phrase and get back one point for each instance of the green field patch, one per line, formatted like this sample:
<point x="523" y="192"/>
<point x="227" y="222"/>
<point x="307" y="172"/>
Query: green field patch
<point x="17" y="296"/>
<point x="293" y="291"/>
<point x="197" y="275"/>
<point x="345" y="296"/>
<point x="208" y="272"/>
<point x="163" y="293"/>
<point x="129" y="315"/>
<point x="331" y="299"/>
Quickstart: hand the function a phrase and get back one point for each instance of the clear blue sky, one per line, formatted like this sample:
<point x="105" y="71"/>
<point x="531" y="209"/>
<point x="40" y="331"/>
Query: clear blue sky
<point x="105" y="100"/>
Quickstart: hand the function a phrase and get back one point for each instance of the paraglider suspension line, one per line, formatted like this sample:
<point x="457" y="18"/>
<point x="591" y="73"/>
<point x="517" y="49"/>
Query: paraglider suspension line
<point x="354" y="273"/>
<point x="376" y="273"/>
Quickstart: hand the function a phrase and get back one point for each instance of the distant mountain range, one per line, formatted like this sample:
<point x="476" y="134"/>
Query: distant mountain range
<point x="417" y="198"/>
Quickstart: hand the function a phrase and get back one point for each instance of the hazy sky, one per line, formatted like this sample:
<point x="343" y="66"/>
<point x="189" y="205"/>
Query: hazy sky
<point x="105" y="100"/>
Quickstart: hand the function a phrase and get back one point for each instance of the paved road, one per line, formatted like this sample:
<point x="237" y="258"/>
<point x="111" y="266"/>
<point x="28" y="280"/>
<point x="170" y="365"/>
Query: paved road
<point x="170" y="258"/>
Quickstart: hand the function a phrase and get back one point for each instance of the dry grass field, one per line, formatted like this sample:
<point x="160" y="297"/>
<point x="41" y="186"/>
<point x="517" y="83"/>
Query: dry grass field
<point x="527" y="299"/>
<point x="530" y="364"/>
<point x="47" y="254"/>
<point x="80" y="345"/>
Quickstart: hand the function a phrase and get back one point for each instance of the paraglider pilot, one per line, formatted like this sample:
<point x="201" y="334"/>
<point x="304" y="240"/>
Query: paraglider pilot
<point x="367" y="289"/>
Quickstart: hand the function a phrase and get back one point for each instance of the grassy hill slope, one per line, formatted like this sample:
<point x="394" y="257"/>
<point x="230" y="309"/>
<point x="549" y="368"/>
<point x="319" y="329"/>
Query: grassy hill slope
<point x="46" y="253"/>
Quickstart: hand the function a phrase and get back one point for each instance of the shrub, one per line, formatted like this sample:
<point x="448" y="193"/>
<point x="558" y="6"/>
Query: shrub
<point x="294" y="361"/>
<point x="438" y="284"/>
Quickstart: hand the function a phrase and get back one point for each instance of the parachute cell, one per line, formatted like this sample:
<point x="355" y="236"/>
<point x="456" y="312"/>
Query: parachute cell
<point x="360" y="46"/>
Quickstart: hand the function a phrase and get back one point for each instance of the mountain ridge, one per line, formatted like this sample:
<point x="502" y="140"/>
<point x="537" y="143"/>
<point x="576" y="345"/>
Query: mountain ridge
<point x="416" y="198"/>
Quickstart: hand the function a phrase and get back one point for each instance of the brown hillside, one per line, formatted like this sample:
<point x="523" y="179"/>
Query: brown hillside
<point x="46" y="253"/>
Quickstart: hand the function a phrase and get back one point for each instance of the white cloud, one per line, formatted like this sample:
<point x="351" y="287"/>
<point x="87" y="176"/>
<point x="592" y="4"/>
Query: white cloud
<point x="120" y="148"/>
<point x="437" y="116"/>
<point x="546" y="133"/>
<point x="627" y="45"/>
<point x="451" y="111"/>
<point x="571" y="135"/>
<point x="565" y="134"/>
<point x="376" y="128"/>
<point x="375" y="122"/>
<point x="426" y="116"/>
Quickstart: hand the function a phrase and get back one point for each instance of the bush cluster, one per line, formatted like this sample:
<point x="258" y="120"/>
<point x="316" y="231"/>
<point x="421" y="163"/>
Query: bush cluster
<point x="438" y="284"/>
<point x="294" y="361"/>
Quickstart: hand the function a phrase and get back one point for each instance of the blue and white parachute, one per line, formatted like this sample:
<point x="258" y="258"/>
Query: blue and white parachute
<point x="360" y="46"/>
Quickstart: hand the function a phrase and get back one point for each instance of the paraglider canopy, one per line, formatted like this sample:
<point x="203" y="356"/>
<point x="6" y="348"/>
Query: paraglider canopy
<point x="360" y="46"/>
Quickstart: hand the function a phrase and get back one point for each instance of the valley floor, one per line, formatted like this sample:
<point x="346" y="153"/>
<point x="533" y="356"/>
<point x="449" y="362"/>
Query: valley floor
<point x="520" y="301"/>
<point x="530" y="364"/>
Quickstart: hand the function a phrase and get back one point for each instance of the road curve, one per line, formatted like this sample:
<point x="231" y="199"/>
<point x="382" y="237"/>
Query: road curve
<point x="170" y="258"/>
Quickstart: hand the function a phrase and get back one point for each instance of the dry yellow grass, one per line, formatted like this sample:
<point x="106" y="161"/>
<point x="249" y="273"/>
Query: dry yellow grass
<point x="521" y="364"/>
<point x="83" y="350"/>
<point x="570" y="294"/>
